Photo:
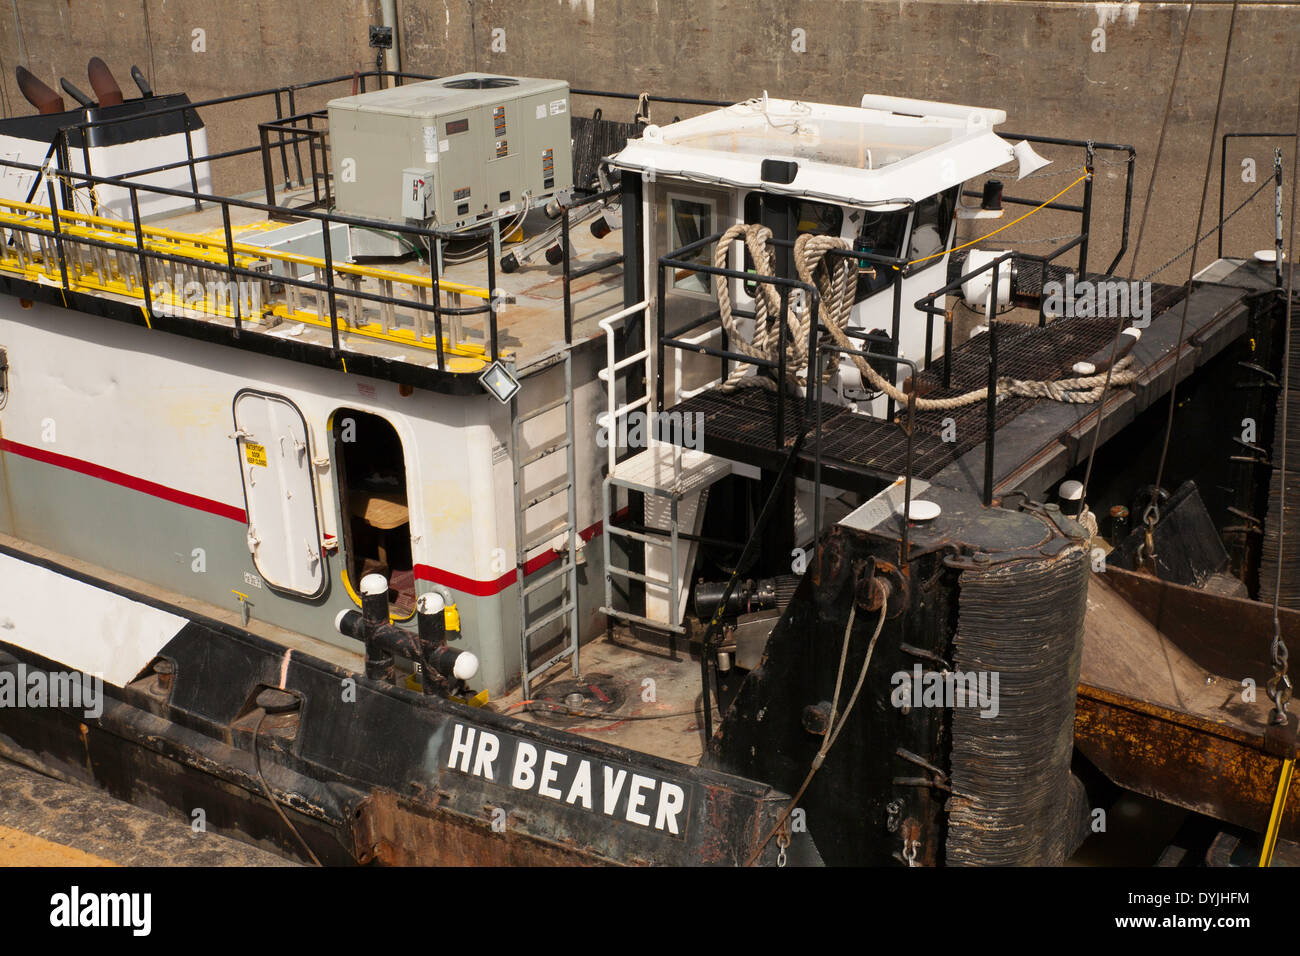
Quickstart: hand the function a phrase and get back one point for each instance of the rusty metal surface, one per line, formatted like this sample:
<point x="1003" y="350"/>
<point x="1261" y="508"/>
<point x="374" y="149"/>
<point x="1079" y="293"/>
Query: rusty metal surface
<point x="1182" y="760"/>
<point x="1225" y="635"/>
<point x="381" y="773"/>
<point x="1163" y="704"/>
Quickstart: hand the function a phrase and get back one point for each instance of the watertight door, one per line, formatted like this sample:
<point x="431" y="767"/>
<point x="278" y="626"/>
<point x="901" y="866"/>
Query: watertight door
<point x="280" y="497"/>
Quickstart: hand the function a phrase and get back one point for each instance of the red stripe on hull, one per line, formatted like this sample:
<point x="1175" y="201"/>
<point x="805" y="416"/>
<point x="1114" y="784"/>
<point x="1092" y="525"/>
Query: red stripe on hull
<point x="124" y="480"/>
<point x="423" y="572"/>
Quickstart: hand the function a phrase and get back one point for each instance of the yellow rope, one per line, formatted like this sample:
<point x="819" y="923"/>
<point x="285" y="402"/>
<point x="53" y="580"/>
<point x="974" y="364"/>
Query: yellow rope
<point x="1000" y="228"/>
<point x="1275" y="817"/>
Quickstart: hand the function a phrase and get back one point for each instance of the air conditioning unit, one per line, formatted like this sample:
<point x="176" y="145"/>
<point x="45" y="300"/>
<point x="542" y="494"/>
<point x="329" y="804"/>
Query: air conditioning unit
<point x="448" y="153"/>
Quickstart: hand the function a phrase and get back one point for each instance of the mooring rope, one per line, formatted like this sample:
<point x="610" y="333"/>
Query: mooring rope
<point x="837" y="287"/>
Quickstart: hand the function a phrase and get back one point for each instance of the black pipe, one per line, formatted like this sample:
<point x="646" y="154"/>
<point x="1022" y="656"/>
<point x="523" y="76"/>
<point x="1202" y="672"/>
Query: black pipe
<point x="146" y="91"/>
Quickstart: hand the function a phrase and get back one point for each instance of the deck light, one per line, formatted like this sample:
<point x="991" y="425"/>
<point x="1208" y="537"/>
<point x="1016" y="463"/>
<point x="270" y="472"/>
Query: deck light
<point x="499" y="383"/>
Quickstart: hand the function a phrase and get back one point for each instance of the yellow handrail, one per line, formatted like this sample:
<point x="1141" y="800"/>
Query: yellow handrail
<point x="212" y="252"/>
<point x="127" y="231"/>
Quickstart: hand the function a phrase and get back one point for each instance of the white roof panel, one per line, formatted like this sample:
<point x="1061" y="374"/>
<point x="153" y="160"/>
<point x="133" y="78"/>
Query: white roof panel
<point x="889" y="150"/>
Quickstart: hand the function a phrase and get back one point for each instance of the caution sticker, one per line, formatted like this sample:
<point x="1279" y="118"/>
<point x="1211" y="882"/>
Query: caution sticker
<point x="255" y="454"/>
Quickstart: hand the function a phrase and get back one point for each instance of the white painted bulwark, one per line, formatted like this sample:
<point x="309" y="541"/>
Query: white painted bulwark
<point x="78" y="625"/>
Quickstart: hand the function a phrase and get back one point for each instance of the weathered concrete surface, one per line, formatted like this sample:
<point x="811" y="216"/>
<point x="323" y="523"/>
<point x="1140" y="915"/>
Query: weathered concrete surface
<point x="48" y="822"/>
<point x="1033" y="58"/>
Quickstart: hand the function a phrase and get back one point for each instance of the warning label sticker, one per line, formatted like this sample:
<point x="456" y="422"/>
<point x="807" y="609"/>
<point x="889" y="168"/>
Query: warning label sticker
<point x="255" y="454"/>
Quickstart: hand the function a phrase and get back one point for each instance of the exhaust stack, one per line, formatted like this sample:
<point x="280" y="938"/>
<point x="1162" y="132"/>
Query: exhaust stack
<point x="103" y="83"/>
<point x="37" y="93"/>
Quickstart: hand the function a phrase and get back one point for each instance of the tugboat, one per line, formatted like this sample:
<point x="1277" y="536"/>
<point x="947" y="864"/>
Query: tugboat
<point x="509" y="486"/>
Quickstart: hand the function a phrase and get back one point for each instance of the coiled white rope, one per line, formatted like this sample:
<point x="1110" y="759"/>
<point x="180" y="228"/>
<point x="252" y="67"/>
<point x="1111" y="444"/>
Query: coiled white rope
<point x="837" y="287"/>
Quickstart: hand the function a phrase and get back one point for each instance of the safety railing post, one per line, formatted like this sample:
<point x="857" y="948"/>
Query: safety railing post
<point x="660" y="289"/>
<point x="1089" y="164"/>
<point x="992" y="399"/>
<point x="897" y="331"/>
<point x="564" y="252"/>
<point x="784" y="298"/>
<point x="145" y="285"/>
<point x="435" y="279"/>
<point x="492" y="301"/>
<point x="235" y="283"/>
<point x="329" y="286"/>
<point x="58" y="234"/>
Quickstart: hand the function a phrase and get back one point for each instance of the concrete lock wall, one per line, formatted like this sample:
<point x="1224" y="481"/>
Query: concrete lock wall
<point x="1073" y="69"/>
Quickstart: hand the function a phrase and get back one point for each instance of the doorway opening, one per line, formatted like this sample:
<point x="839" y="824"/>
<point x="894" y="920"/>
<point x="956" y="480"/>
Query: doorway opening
<point x="373" y="506"/>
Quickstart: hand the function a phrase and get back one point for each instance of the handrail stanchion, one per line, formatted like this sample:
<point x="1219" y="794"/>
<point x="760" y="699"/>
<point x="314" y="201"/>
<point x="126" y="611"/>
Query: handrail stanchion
<point x="284" y="155"/>
<point x="492" y="301"/>
<point x="329" y="286"/>
<point x="139" y="250"/>
<point x="58" y="234"/>
<point x="904" y="548"/>
<point x="815" y="356"/>
<point x="564" y="252"/>
<point x="230" y="266"/>
<point x="1089" y="163"/>
<point x="189" y="162"/>
<point x="660" y="289"/>
<point x="784" y="298"/>
<point x="434" y="249"/>
<point x="992" y="399"/>
<point x="897" y="332"/>
<point x="947" y="350"/>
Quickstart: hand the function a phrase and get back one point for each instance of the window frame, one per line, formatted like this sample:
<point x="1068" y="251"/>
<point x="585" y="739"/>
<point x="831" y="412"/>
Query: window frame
<point x="711" y="202"/>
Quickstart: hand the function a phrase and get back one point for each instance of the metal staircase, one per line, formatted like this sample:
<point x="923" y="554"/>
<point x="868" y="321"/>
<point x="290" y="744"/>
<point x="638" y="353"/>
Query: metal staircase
<point x="675" y="481"/>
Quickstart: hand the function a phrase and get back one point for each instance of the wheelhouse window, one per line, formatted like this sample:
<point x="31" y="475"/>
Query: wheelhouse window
<point x="815" y="218"/>
<point x="373" y="504"/>
<point x="690" y="219"/>
<point x="880" y="234"/>
<point x="932" y="230"/>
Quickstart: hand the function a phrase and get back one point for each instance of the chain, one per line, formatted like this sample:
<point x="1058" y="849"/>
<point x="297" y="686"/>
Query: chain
<point x="782" y="841"/>
<point x="1279" y="688"/>
<point x="1027" y="242"/>
<point x="1224" y="222"/>
<point x="910" y="850"/>
<point x="1055" y="173"/>
<point x="1147" y="549"/>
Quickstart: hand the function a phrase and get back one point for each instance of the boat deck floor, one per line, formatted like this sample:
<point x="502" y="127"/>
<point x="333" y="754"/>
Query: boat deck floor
<point x="1037" y="440"/>
<point x="530" y="320"/>
<point x="654" y="700"/>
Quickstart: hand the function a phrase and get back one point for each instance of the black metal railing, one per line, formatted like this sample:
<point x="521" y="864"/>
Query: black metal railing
<point x="1276" y="175"/>
<point x="1083" y="210"/>
<point x="927" y="305"/>
<point x="293" y="131"/>
<point x="430" y="239"/>
<point x="569" y="274"/>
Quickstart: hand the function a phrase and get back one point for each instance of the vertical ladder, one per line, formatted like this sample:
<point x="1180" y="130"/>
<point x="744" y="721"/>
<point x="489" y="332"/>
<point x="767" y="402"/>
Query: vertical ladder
<point x="567" y="572"/>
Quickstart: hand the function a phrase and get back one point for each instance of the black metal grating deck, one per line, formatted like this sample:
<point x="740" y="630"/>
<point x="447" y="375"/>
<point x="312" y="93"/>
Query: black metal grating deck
<point x="741" y="424"/>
